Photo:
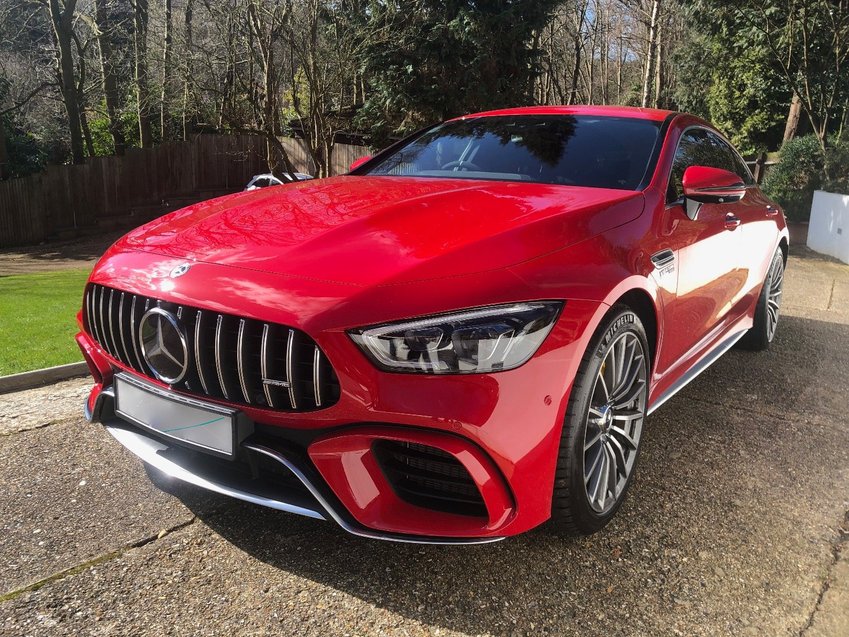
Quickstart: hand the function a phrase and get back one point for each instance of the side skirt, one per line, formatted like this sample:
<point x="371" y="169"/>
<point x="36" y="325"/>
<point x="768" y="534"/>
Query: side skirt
<point x="704" y="362"/>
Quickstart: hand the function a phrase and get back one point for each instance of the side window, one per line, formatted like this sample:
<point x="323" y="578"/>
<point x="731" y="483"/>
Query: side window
<point x="738" y="166"/>
<point x="693" y="150"/>
<point x="735" y="163"/>
<point x="701" y="147"/>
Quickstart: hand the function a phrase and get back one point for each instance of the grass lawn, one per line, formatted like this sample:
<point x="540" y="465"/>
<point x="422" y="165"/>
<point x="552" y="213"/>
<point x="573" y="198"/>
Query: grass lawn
<point x="38" y="319"/>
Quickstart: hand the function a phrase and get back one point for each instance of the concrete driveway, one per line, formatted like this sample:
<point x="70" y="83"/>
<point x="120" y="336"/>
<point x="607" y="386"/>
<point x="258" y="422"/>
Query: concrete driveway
<point x="736" y="524"/>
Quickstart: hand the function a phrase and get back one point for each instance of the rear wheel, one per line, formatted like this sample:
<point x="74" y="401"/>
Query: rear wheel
<point x="767" y="310"/>
<point x="603" y="426"/>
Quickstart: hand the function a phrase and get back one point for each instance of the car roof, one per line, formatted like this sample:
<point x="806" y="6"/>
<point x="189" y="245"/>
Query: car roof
<point x="652" y="114"/>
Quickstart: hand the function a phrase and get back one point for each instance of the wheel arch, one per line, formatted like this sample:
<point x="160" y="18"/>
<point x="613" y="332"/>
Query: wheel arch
<point x="640" y="295"/>
<point x="643" y="305"/>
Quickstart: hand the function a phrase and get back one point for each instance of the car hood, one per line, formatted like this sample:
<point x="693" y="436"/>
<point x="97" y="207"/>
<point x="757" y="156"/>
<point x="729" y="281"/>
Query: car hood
<point x="364" y="230"/>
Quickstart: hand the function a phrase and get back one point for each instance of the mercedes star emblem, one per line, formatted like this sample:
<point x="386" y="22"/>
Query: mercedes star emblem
<point x="164" y="346"/>
<point x="180" y="270"/>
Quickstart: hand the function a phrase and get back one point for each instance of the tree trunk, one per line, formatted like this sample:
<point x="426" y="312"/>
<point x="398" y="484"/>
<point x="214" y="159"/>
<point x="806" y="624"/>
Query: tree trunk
<point x="62" y="20"/>
<point x="658" y="69"/>
<point x="792" y="118"/>
<point x="140" y="15"/>
<point x="166" y="71"/>
<point x="650" y="54"/>
<point x="110" y="82"/>
<point x="578" y="47"/>
<point x="619" y="63"/>
<point x="4" y="153"/>
<point x="187" y="79"/>
<point x="81" y="63"/>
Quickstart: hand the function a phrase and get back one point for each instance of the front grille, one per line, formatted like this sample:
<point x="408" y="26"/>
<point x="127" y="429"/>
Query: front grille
<point x="230" y="357"/>
<point x="429" y="477"/>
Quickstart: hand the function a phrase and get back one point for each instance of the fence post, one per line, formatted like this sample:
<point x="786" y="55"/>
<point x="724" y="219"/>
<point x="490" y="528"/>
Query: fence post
<point x="760" y="163"/>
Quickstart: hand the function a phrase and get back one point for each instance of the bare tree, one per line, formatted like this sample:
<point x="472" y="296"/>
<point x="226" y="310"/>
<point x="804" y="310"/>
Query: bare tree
<point x="62" y="19"/>
<point x="105" y="30"/>
<point x="140" y="23"/>
<point x="164" y="116"/>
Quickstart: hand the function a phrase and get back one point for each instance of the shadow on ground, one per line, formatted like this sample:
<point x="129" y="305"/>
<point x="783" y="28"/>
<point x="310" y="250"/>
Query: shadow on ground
<point x="737" y="482"/>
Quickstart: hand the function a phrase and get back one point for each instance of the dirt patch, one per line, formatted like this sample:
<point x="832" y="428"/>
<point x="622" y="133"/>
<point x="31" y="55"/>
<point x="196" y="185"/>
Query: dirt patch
<point x="77" y="253"/>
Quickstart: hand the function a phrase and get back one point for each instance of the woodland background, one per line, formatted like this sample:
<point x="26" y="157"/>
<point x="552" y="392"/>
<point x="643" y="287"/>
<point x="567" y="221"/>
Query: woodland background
<point x="82" y="78"/>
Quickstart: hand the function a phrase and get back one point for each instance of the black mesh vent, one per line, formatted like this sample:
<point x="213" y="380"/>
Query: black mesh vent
<point x="230" y="357"/>
<point x="429" y="477"/>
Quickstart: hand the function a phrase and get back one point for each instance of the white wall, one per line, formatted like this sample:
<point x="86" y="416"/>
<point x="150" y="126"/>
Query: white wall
<point x="828" y="232"/>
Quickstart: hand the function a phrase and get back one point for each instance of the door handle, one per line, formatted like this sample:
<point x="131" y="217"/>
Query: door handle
<point x="771" y="211"/>
<point x="732" y="221"/>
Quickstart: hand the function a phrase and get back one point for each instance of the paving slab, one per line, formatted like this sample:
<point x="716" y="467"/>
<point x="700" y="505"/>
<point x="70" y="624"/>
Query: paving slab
<point x="42" y="406"/>
<point x="832" y="614"/>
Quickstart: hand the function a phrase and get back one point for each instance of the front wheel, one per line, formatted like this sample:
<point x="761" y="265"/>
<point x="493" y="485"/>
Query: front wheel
<point x="603" y="426"/>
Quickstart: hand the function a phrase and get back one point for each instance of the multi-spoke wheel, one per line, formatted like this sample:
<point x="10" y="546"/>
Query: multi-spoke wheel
<point x="603" y="426"/>
<point x="773" y="299"/>
<point x="768" y="307"/>
<point x="615" y="421"/>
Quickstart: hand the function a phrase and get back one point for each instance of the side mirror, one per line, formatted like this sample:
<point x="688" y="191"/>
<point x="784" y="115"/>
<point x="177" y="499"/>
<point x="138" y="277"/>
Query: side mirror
<point x="359" y="161"/>
<point x="703" y="184"/>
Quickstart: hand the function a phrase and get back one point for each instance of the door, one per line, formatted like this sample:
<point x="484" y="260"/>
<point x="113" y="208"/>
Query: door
<point x="757" y="215"/>
<point x="709" y="250"/>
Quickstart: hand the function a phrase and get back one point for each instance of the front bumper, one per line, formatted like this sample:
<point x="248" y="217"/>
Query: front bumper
<point x="302" y="494"/>
<point x="503" y="428"/>
<point x="303" y="490"/>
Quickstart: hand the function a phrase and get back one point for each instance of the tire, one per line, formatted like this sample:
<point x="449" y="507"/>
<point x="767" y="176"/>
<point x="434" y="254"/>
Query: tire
<point x="594" y="424"/>
<point x="767" y="309"/>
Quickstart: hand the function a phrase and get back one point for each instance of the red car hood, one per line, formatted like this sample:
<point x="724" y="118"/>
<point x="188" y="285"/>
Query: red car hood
<point x="379" y="230"/>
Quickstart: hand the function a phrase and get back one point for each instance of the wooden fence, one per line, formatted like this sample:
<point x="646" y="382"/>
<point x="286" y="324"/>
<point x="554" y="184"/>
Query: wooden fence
<point x="120" y="192"/>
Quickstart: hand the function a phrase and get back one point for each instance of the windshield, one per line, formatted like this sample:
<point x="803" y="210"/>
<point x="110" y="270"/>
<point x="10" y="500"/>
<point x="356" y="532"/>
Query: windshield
<point x="579" y="150"/>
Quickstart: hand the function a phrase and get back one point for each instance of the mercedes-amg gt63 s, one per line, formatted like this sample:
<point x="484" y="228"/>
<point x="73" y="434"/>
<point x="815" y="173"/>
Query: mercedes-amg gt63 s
<point x="455" y="342"/>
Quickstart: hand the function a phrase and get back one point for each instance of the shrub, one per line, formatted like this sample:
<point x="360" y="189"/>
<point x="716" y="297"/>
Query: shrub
<point x="803" y="168"/>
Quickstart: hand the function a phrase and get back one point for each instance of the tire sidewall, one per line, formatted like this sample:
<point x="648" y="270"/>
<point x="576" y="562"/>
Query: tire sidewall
<point x="770" y="275"/>
<point x="620" y="322"/>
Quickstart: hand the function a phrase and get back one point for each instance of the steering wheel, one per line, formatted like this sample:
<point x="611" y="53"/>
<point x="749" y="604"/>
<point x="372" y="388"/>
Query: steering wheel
<point x="461" y="163"/>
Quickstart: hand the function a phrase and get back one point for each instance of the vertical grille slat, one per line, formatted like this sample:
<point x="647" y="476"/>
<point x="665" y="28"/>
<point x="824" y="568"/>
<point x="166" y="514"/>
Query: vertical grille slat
<point x="88" y="325"/>
<point x="316" y="375"/>
<point x="101" y="323"/>
<point x="199" y="366"/>
<point x="263" y="366"/>
<point x="121" y="330"/>
<point x="233" y="358"/>
<point x="111" y="318"/>
<point x="219" y="330"/>
<point x="92" y="319"/>
<point x="134" y="330"/>
<point x="290" y="359"/>
<point x="241" y="355"/>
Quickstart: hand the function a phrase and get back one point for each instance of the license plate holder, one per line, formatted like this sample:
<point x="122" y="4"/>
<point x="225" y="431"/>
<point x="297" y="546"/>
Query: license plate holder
<point x="186" y="421"/>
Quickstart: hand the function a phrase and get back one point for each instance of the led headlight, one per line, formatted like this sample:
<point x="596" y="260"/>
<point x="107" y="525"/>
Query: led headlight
<point x="482" y="340"/>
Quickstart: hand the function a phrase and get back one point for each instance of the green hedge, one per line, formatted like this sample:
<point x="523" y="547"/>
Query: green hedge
<point x="801" y="170"/>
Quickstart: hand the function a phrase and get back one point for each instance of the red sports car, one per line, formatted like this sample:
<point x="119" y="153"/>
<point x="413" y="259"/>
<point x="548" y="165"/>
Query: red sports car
<point x="455" y="342"/>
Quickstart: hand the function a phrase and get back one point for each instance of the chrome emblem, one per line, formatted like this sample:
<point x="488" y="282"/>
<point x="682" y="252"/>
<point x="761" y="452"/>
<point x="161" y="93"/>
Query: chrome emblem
<point x="180" y="270"/>
<point x="164" y="346"/>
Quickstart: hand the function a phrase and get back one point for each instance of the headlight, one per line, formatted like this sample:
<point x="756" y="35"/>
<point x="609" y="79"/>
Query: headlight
<point x="489" y="339"/>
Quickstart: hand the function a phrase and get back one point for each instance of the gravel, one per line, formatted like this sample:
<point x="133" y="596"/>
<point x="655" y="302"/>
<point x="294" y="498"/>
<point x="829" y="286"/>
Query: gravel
<point x="734" y="525"/>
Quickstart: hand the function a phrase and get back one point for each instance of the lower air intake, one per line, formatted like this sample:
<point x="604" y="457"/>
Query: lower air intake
<point x="429" y="477"/>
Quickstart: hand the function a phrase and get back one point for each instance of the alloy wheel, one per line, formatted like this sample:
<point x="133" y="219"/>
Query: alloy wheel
<point x="773" y="299"/>
<point x="615" y="422"/>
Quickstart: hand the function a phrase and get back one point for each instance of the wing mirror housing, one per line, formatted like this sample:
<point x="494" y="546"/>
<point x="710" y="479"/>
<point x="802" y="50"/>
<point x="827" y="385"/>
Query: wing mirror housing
<point x="703" y="184"/>
<point x="359" y="161"/>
